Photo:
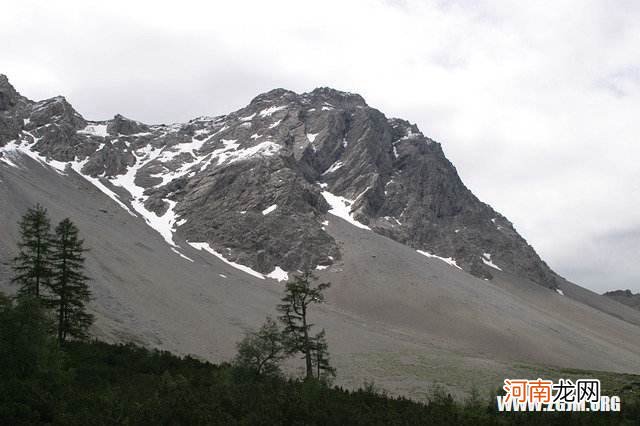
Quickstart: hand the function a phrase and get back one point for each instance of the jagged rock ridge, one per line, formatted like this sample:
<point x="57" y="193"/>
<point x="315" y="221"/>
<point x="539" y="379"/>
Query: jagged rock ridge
<point x="257" y="185"/>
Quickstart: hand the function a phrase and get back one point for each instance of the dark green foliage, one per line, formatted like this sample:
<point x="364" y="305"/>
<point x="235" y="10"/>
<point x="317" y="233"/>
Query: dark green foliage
<point x="31" y="373"/>
<point x="301" y="292"/>
<point x="262" y="351"/>
<point x="69" y="284"/>
<point x="32" y="266"/>
<point x="125" y="384"/>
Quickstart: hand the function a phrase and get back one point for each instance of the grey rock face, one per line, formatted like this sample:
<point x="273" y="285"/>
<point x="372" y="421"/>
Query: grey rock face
<point x="12" y="111"/>
<point x="8" y="95"/>
<point x="251" y="183"/>
<point x="124" y="126"/>
<point x="226" y="208"/>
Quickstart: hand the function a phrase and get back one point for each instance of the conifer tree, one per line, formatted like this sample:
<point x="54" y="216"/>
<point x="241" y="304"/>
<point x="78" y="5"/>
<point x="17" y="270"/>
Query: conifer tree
<point x="320" y="357"/>
<point x="300" y="292"/>
<point x="32" y="266"/>
<point x="69" y="284"/>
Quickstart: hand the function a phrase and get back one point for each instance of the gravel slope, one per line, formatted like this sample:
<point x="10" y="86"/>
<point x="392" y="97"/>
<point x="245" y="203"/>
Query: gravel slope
<point x="393" y="315"/>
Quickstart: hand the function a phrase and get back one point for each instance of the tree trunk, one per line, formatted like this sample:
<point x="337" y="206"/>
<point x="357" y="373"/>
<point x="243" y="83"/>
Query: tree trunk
<point x="38" y="267"/>
<point x="307" y="346"/>
<point x="63" y="294"/>
<point x="61" y="322"/>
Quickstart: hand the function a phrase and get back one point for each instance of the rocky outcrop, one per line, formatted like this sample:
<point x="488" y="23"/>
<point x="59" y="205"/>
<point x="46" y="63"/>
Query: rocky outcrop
<point x="13" y="108"/>
<point x="258" y="183"/>
<point x="263" y="213"/>
<point x="121" y="125"/>
<point x="626" y="297"/>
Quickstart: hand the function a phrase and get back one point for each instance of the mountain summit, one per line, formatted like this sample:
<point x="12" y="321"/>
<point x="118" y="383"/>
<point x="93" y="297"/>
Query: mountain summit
<point x="258" y="185"/>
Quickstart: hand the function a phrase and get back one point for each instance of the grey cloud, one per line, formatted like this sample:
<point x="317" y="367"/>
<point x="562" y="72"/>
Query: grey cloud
<point x="623" y="81"/>
<point x="609" y="261"/>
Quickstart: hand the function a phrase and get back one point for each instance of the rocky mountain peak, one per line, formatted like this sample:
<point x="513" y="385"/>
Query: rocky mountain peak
<point x="13" y="108"/>
<point x="402" y="129"/>
<point x="125" y="126"/>
<point x="259" y="185"/>
<point x="336" y="96"/>
<point x="8" y="94"/>
<point x="58" y="110"/>
<point x="274" y="96"/>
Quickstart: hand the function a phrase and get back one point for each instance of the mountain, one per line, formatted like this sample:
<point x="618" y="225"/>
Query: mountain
<point x="194" y="226"/>
<point x="625" y="297"/>
<point x="256" y="185"/>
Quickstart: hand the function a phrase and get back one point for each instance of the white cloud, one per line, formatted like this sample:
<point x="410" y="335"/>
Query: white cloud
<point x="536" y="104"/>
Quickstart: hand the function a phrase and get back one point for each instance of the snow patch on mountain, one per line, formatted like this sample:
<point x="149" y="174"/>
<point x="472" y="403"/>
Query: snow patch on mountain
<point x="230" y="153"/>
<point x="486" y="258"/>
<point x="265" y="149"/>
<point x="268" y="111"/>
<point x="173" y="249"/>
<point x="278" y="274"/>
<point x="77" y="167"/>
<point x="164" y="224"/>
<point x="340" y="207"/>
<point x="5" y="159"/>
<point x="26" y="148"/>
<point x="269" y="209"/>
<point x="248" y="117"/>
<point x="411" y="134"/>
<point x="59" y="166"/>
<point x="335" y="166"/>
<point x="206" y="247"/>
<point x="449" y="260"/>
<point x="170" y="152"/>
<point x="9" y="150"/>
<point x="95" y="129"/>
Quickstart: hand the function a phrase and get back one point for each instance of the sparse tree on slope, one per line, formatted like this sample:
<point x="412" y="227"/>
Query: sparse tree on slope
<point x="69" y="284"/>
<point x="262" y="351"/>
<point x="300" y="292"/>
<point x="320" y="357"/>
<point x="32" y="266"/>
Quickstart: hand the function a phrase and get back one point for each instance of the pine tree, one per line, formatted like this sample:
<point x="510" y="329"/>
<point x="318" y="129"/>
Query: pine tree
<point x="69" y="284"/>
<point x="32" y="266"/>
<point x="320" y="357"/>
<point x="300" y="292"/>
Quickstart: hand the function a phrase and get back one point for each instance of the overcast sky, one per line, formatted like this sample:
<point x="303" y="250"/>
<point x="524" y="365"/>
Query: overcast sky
<point x="537" y="105"/>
